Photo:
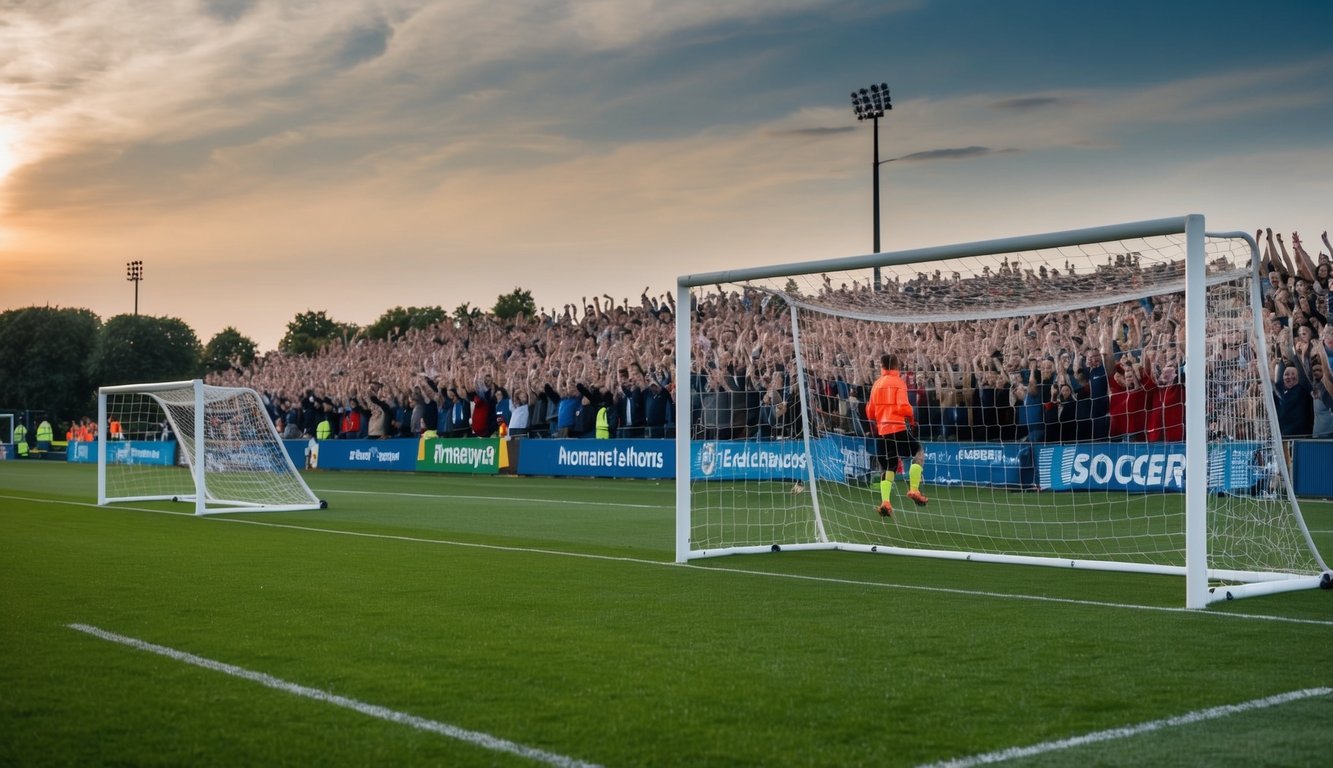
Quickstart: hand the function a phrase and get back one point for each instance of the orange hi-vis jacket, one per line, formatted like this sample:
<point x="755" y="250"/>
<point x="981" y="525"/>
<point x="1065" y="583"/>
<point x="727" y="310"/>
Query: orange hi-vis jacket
<point x="889" y="409"/>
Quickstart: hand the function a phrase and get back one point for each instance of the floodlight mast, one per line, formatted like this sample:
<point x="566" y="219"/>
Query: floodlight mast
<point x="134" y="274"/>
<point x="871" y="104"/>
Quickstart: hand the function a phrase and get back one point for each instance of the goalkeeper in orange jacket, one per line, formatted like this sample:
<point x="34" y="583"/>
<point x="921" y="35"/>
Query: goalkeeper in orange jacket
<point x="890" y="412"/>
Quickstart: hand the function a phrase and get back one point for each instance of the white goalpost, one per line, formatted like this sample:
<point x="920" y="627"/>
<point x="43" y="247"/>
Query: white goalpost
<point x="188" y="441"/>
<point x="1098" y="398"/>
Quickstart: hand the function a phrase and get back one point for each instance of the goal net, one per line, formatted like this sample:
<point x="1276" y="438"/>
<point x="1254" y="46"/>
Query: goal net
<point x="1095" y="399"/>
<point x="188" y="441"/>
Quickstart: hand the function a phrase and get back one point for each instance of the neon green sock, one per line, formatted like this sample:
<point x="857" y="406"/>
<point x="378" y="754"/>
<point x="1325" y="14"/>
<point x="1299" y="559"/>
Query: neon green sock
<point x="885" y="489"/>
<point x="914" y="476"/>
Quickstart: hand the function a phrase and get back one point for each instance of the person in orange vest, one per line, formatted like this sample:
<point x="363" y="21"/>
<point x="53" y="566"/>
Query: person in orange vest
<point x="891" y="413"/>
<point x="114" y="429"/>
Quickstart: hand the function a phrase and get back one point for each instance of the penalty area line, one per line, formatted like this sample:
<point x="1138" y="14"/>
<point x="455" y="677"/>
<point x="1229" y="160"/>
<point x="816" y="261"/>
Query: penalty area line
<point x="476" y="738"/>
<point x="1189" y="718"/>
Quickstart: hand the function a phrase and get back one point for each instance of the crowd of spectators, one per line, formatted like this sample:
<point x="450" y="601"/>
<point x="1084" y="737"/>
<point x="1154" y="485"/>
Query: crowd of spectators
<point x="1112" y="370"/>
<point x="544" y="376"/>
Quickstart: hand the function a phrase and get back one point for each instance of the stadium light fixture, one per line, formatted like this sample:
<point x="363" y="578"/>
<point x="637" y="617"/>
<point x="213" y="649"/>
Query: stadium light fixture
<point x="871" y="104"/>
<point x="134" y="274"/>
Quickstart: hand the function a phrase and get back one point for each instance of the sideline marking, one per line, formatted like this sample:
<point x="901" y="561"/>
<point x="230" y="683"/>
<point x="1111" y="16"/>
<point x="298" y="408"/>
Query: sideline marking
<point x="1189" y="718"/>
<point x="692" y="566"/>
<point x="567" y="502"/>
<point x="484" y="740"/>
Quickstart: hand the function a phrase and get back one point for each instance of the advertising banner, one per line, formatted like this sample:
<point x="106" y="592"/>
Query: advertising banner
<point x="992" y="464"/>
<point x="1312" y="460"/>
<point x="735" y="460"/>
<point x="1157" y="467"/>
<point x="839" y="457"/>
<point x="470" y="456"/>
<point x="397" y="455"/>
<point x="598" y="458"/>
<point x="154" y="452"/>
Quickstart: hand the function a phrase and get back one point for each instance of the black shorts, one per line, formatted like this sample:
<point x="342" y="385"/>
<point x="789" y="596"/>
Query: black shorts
<point x="899" y="445"/>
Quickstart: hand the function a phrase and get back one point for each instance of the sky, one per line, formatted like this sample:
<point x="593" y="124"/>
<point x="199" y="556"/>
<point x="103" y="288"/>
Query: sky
<point x="265" y="159"/>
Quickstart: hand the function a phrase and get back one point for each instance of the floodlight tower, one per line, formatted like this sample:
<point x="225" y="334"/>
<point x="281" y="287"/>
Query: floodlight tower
<point x="871" y="104"/>
<point x="134" y="274"/>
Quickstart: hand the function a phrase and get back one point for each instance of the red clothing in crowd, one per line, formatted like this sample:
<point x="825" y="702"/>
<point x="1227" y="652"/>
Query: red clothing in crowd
<point x="1129" y="407"/>
<point x="351" y="423"/>
<point x="1166" y="413"/>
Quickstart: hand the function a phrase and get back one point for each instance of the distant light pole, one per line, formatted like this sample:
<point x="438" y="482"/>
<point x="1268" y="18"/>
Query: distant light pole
<point x="134" y="273"/>
<point x="871" y="104"/>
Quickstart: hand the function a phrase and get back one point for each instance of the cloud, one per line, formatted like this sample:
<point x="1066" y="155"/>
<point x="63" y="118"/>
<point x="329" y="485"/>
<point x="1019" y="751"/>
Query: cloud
<point x="227" y="11"/>
<point x="1031" y="102"/>
<point x="958" y="153"/>
<point x="816" y="131"/>
<point x="365" y="43"/>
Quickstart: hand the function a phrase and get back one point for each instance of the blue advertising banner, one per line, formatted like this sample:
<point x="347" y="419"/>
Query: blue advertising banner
<point x="839" y="457"/>
<point x="155" y="452"/>
<point x="398" y="455"/>
<point x="652" y="459"/>
<point x="737" y="460"/>
<point x="1312" y="460"/>
<point x="1148" y="466"/>
<point x="298" y="451"/>
<point x="992" y="464"/>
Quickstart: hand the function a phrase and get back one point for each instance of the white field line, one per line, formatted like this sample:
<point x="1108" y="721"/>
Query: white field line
<point x="1189" y="718"/>
<point x="707" y="568"/>
<point x="484" y="497"/>
<point x="476" y="738"/>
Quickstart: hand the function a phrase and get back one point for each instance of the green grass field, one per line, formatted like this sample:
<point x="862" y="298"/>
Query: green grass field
<point x="436" y="620"/>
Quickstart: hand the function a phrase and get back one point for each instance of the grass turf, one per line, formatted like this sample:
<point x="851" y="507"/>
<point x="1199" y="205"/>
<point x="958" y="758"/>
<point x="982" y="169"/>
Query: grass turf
<point x="547" y="612"/>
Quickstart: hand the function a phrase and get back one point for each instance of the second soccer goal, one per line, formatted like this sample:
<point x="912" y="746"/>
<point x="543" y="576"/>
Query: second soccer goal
<point x="214" y="447"/>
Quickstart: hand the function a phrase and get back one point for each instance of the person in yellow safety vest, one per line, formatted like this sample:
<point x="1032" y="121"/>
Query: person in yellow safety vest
<point x="45" y="435"/>
<point x="323" y="430"/>
<point x="21" y="441"/>
<point x="603" y="423"/>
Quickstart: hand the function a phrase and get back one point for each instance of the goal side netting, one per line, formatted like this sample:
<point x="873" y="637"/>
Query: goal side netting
<point x="215" y="447"/>
<point x="1096" y="399"/>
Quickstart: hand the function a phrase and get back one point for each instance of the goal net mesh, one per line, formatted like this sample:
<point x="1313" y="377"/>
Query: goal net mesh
<point x="1049" y="395"/>
<point x="152" y="450"/>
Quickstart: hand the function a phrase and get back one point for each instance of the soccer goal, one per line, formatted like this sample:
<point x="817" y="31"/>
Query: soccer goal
<point x="1097" y="399"/>
<point x="189" y="441"/>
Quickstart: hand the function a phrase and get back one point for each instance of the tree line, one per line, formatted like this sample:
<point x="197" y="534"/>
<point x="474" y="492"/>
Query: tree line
<point x="53" y="359"/>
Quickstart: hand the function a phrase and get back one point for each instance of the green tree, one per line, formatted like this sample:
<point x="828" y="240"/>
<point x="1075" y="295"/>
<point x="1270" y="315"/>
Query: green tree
<point x="310" y="332"/>
<point x="229" y="347"/>
<point x="133" y="349"/>
<point x="510" y="305"/>
<point x="396" y="322"/>
<point x="44" y="355"/>
<point x="464" y="314"/>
